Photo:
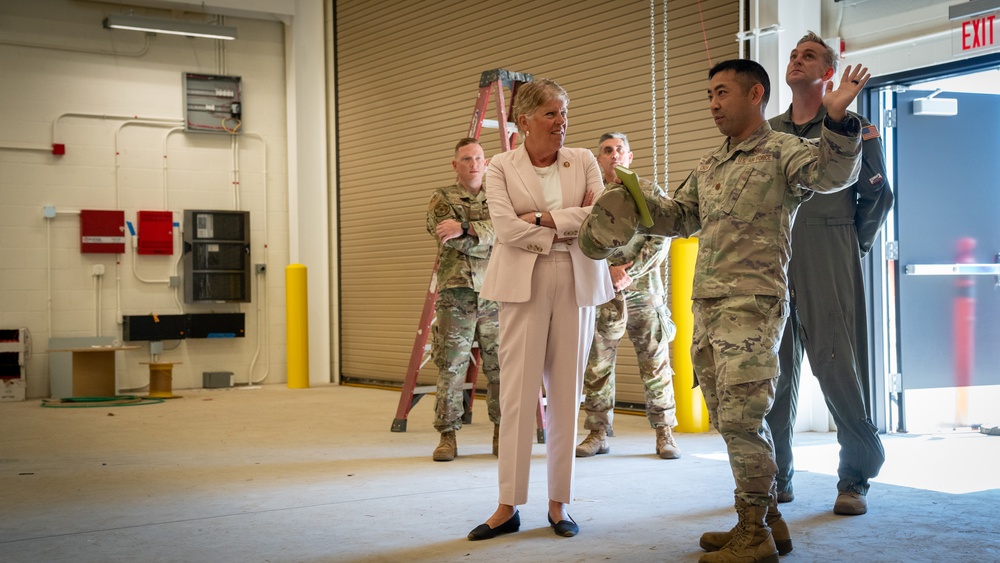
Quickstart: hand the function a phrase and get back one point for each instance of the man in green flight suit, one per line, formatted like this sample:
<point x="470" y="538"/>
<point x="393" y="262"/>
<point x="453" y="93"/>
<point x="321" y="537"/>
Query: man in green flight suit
<point x="828" y="320"/>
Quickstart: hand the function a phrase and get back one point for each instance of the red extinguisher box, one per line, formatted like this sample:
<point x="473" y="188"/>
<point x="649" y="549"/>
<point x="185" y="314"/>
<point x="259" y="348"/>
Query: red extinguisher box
<point x="102" y="231"/>
<point x="156" y="232"/>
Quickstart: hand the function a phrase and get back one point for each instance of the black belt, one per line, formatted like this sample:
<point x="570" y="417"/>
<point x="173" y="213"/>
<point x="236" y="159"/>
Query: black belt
<point x="829" y="221"/>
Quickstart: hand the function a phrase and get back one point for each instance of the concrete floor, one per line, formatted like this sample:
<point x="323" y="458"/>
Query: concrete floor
<point x="279" y="475"/>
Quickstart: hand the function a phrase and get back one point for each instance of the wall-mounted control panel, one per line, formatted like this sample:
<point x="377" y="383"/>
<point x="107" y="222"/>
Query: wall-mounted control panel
<point x="213" y="103"/>
<point x="216" y="256"/>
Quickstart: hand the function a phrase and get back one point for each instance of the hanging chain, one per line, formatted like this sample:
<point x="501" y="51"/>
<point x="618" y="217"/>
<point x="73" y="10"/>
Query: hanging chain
<point x="666" y="147"/>
<point x="652" y="72"/>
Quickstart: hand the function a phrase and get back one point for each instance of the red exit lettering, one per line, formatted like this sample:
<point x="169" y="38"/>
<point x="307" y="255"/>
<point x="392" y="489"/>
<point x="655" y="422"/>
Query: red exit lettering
<point x="977" y="33"/>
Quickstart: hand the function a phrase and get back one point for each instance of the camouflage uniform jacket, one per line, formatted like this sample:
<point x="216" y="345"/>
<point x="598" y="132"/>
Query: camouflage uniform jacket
<point x="647" y="253"/>
<point x="743" y="200"/>
<point x="462" y="260"/>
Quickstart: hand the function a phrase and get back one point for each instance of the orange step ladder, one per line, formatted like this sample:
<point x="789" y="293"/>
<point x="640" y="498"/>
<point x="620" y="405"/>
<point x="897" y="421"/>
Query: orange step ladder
<point x="490" y="82"/>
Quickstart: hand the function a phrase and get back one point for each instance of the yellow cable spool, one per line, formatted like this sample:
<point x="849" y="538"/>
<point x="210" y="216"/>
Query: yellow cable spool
<point x="161" y="380"/>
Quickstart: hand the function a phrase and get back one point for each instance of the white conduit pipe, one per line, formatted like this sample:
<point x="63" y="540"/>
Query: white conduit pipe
<point x="166" y="139"/>
<point x="235" y="147"/>
<point x="743" y="30"/>
<point x="912" y="41"/>
<point x="48" y="266"/>
<point x="55" y="122"/>
<point x="262" y="292"/>
<point x="97" y="318"/>
<point x="118" y="132"/>
<point x="139" y="53"/>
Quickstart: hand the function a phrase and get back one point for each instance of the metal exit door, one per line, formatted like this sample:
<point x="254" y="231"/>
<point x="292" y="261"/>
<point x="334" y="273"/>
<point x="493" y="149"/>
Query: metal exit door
<point x="948" y="230"/>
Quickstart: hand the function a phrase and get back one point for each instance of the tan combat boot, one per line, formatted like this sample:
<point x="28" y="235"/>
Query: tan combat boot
<point x="447" y="449"/>
<point x="714" y="541"/>
<point x="595" y="443"/>
<point x="496" y="439"/>
<point x="666" y="447"/>
<point x="751" y="541"/>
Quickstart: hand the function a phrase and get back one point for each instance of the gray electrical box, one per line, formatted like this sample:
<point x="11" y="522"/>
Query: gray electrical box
<point x="216" y="256"/>
<point x="216" y="379"/>
<point x="213" y="103"/>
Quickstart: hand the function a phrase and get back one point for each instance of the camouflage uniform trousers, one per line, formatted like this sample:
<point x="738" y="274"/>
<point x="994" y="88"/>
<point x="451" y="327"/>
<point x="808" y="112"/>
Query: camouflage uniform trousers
<point x="463" y="318"/>
<point x="647" y="320"/>
<point x="735" y="358"/>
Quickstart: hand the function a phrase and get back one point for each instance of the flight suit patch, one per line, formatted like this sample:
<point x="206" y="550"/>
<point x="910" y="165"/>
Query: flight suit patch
<point x="869" y="132"/>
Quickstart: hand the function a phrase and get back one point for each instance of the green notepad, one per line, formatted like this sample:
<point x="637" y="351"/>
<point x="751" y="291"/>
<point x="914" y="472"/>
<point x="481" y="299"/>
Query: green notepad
<point x="631" y="182"/>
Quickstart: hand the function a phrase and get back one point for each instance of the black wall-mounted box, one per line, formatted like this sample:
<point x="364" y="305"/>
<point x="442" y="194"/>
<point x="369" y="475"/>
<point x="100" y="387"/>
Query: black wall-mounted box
<point x="216" y="256"/>
<point x="154" y="327"/>
<point x="178" y="327"/>
<point x="217" y="325"/>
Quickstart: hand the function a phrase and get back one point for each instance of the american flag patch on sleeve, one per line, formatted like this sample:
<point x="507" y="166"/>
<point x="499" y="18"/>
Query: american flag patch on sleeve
<point x="869" y="132"/>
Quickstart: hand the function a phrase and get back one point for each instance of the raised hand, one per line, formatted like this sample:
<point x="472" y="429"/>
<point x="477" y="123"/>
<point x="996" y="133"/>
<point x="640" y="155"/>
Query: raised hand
<point x="851" y="82"/>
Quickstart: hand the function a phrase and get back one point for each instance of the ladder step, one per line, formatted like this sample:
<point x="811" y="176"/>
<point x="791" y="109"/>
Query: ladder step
<point x="494" y="124"/>
<point x="425" y="389"/>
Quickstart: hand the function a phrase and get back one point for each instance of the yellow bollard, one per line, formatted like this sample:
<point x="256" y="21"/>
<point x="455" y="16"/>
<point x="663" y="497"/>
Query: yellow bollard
<point x="297" y="325"/>
<point x="692" y="414"/>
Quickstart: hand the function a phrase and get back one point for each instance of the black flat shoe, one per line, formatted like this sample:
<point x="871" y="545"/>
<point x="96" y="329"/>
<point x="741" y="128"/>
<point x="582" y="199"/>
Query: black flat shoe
<point x="565" y="528"/>
<point x="484" y="532"/>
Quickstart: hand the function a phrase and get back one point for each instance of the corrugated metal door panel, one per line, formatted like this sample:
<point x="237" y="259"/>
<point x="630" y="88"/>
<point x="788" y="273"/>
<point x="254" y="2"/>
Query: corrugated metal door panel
<point x="407" y="78"/>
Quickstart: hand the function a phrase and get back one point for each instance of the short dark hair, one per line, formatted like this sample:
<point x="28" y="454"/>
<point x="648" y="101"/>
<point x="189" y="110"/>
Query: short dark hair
<point x="612" y="135"/>
<point x="748" y="73"/>
<point x="466" y="141"/>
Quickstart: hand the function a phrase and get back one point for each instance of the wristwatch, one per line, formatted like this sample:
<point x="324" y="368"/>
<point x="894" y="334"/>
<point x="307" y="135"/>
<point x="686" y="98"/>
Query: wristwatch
<point x="538" y="217"/>
<point x="465" y="228"/>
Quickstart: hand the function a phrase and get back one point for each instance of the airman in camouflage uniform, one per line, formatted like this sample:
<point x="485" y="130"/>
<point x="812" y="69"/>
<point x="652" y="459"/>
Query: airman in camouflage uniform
<point x="458" y="217"/>
<point x="638" y="308"/>
<point x="742" y="199"/>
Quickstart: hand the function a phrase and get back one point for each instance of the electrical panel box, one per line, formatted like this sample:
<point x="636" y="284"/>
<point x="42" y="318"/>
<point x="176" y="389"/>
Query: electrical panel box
<point x="102" y="231"/>
<point x="156" y="232"/>
<point x="216" y="256"/>
<point x="212" y="103"/>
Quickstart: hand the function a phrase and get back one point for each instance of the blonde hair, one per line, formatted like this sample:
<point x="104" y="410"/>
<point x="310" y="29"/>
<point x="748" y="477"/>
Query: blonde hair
<point x="531" y="95"/>
<point x="829" y="55"/>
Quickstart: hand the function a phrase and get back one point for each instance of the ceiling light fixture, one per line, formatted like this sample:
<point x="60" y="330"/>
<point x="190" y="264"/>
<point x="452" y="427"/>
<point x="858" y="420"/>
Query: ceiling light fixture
<point x="170" y="27"/>
<point x="972" y="9"/>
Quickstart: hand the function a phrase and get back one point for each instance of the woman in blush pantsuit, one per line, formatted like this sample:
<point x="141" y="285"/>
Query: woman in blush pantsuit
<point x="539" y="195"/>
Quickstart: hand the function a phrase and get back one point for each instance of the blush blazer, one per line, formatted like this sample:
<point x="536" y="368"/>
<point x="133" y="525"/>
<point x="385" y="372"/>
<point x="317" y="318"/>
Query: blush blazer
<point x="512" y="189"/>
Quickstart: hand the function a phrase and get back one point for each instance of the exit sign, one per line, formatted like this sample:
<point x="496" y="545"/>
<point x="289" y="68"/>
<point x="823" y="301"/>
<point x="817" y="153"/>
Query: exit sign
<point x="976" y="34"/>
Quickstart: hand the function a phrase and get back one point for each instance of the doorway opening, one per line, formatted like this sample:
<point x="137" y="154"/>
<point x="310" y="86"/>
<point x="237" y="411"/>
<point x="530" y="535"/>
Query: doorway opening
<point x="935" y="282"/>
